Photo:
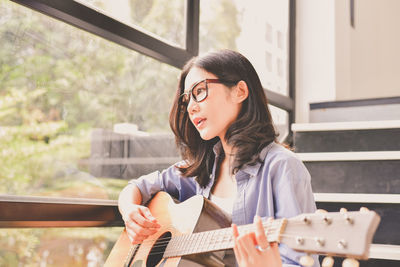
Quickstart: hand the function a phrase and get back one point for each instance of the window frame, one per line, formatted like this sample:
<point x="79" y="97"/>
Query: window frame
<point x="17" y="211"/>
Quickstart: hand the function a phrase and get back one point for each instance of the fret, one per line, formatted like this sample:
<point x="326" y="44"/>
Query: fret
<point x="203" y="242"/>
<point x="185" y="245"/>
<point x="210" y="240"/>
<point x="228" y="236"/>
<point x="221" y="237"/>
<point x="216" y="239"/>
<point x="178" y="246"/>
<point x="192" y="243"/>
<point x="171" y="247"/>
<point x="195" y="243"/>
<point x="178" y="243"/>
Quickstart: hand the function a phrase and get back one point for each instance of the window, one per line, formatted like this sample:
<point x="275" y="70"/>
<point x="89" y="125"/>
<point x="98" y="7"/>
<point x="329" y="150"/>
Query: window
<point x="79" y="115"/>
<point x="248" y="27"/>
<point x="68" y="99"/>
<point x="164" y="18"/>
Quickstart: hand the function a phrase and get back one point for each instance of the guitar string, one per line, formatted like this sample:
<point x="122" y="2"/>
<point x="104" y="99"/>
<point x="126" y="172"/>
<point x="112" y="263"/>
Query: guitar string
<point x="165" y="243"/>
<point x="186" y="250"/>
<point x="242" y="227"/>
<point x="250" y="227"/>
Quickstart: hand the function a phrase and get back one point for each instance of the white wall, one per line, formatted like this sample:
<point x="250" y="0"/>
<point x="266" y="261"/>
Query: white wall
<point x="315" y="54"/>
<point x="337" y="62"/>
<point x="375" y="51"/>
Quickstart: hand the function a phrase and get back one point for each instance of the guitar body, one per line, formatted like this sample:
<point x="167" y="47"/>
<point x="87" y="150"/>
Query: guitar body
<point x="196" y="214"/>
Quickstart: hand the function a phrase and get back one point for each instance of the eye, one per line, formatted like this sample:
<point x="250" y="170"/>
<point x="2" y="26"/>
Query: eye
<point x="199" y="90"/>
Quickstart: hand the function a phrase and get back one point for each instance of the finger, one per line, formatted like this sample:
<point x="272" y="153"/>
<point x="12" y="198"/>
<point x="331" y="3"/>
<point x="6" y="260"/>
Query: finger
<point x="135" y="239"/>
<point x="144" y="219"/>
<point x="274" y="245"/>
<point x="140" y="230"/>
<point x="235" y="231"/>
<point x="236" y="249"/>
<point x="260" y="236"/>
<point x="247" y="242"/>
<point x="147" y="214"/>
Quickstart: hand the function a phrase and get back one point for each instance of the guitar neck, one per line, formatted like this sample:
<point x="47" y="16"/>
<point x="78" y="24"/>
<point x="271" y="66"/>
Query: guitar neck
<point x="220" y="239"/>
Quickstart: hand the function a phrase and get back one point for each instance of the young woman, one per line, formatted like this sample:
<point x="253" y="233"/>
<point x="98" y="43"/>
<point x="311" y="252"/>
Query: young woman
<point x="227" y="141"/>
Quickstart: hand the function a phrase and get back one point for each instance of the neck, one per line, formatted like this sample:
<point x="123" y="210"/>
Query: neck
<point x="228" y="149"/>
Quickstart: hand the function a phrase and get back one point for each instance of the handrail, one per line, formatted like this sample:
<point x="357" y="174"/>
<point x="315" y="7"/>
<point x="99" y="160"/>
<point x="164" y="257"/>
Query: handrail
<point x="34" y="211"/>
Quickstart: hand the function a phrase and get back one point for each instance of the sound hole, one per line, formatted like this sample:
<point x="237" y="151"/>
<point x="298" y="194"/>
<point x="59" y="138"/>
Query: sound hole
<point x="157" y="252"/>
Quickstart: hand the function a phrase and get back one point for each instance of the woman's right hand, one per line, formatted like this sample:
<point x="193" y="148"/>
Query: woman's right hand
<point x="139" y="223"/>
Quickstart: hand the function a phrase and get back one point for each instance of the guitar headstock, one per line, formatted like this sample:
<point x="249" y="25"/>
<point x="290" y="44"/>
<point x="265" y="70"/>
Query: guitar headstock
<point x="343" y="234"/>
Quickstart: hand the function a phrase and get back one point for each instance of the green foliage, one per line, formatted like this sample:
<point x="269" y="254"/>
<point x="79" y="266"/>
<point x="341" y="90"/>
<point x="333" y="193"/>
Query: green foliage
<point x="57" y="84"/>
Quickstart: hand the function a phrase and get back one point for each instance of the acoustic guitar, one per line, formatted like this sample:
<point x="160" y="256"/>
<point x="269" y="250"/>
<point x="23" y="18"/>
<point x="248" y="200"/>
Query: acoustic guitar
<point x="191" y="235"/>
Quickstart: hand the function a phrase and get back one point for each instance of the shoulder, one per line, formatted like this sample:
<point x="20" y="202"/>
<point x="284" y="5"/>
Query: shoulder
<point x="278" y="153"/>
<point x="280" y="161"/>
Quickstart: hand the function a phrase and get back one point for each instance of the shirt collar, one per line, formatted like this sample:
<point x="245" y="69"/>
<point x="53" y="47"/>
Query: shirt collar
<point x="251" y="170"/>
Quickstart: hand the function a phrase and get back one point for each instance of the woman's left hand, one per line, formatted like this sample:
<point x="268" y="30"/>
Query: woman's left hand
<point x="249" y="255"/>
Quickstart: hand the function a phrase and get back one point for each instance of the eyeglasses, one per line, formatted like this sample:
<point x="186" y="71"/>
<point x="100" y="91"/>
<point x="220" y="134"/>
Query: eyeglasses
<point x="199" y="90"/>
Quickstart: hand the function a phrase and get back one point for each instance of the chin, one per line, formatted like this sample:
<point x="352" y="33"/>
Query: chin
<point x="206" y="136"/>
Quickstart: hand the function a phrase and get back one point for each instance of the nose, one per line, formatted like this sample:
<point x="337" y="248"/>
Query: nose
<point x="192" y="106"/>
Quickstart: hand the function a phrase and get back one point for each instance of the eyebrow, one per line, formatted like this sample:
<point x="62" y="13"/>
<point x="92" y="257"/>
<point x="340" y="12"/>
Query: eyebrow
<point x="193" y="84"/>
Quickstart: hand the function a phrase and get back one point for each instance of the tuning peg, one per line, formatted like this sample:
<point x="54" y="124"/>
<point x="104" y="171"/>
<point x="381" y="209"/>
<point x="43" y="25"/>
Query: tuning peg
<point x="364" y="209"/>
<point x="349" y="262"/>
<point x="306" y="260"/>
<point x="320" y="211"/>
<point x="327" y="262"/>
<point x="343" y="210"/>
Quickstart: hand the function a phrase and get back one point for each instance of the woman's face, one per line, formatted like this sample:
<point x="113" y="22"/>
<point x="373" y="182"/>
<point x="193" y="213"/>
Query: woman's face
<point x="212" y="116"/>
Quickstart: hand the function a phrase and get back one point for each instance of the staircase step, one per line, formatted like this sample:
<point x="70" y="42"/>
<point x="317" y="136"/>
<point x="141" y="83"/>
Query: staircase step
<point x="354" y="172"/>
<point x="369" y="263"/>
<point x="357" y="198"/>
<point x="387" y="232"/>
<point x="347" y="136"/>
<point x="390" y="252"/>
<point x="349" y="156"/>
<point x="356" y="110"/>
<point x="386" y="205"/>
<point x="376" y="177"/>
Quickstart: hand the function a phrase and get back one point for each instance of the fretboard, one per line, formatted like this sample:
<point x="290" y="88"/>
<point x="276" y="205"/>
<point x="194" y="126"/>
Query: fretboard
<point x="214" y="240"/>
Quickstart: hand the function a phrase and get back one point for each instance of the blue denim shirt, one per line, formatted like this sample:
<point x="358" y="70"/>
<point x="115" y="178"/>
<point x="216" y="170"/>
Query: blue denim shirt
<point x="279" y="187"/>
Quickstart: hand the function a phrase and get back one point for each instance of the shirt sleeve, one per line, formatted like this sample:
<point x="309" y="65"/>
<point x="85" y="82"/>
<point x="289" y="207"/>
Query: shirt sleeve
<point x="170" y="180"/>
<point x="292" y="189"/>
<point x="292" y="195"/>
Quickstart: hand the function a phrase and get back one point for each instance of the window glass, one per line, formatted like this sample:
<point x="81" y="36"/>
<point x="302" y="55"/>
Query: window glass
<point x="164" y="18"/>
<point x="51" y="247"/>
<point x="258" y="29"/>
<point x="281" y="121"/>
<point x="78" y="114"/>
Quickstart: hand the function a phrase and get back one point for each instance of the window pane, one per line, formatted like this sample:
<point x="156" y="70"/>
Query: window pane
<point x="78" y="247"/>
<point x="77" y="113"/>
<point x="258" y="29"/>
<point x="281" y="121"/>
<point x="165" y="18"/>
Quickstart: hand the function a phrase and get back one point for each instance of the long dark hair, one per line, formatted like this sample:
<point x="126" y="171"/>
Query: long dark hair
<point x="249" y="134"/>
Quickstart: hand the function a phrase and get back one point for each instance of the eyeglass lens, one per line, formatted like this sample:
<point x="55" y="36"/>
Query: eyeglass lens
<point x="198" y="92"/>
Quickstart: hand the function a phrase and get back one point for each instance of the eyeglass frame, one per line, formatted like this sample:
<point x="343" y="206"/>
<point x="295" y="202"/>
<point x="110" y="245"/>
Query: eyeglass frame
<point x="207" y="81"/>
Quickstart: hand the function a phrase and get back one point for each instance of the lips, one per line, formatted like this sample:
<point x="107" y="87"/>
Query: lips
<point x="199" y="121"/>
